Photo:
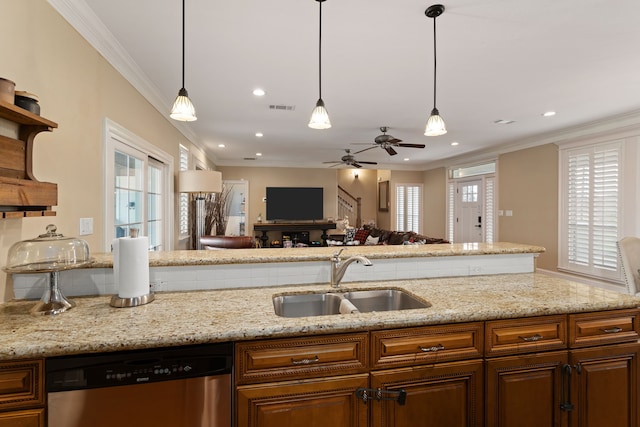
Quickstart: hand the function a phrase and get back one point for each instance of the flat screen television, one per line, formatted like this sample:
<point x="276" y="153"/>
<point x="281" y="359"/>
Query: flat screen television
<point x="294" y="203"/>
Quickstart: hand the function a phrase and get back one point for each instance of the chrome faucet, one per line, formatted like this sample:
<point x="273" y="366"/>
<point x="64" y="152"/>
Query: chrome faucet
<point x="338" y="268"/>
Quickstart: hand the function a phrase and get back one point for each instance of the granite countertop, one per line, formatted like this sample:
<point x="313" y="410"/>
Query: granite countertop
<point x="249" y="256"/>
<point x="179" y="318"/>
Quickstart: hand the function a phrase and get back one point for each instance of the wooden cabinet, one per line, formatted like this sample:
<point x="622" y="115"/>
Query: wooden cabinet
<point x="308" y="381"/>
<point x="605" y="386"/>
<point x="21" y="194"/>
<point x="441" y="394"/>
<point x="526" y="390"/>
<point x="320" y="402"/>
<point x="591" y="383"/>
<point x="21" y="394"/>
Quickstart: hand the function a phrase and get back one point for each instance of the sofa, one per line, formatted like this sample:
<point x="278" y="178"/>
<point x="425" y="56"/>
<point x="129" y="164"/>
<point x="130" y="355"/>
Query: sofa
<point x="371" y="235"/>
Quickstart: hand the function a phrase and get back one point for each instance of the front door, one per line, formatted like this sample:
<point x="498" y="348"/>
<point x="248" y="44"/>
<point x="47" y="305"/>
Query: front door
<point x="469" y="226"/>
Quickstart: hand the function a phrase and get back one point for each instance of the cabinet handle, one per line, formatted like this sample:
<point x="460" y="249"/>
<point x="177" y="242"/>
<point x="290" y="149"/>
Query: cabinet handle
<point x="431" y="349"/>
<point x="366" y="394"/>
<point x="613" y="330"/>
<point x="305" y="361"/>
<point x="532" y="338"/>
<point x="566" y="388"/>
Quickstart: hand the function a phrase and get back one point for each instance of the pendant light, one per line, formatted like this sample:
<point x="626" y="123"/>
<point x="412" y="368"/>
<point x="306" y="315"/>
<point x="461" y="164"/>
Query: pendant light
<point x="435" y="124"/>
<point x="319" y="115"/>
<point x="183" y="108"/>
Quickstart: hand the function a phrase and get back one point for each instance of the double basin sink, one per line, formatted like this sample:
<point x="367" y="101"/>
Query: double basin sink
<point x="357" y="301"/>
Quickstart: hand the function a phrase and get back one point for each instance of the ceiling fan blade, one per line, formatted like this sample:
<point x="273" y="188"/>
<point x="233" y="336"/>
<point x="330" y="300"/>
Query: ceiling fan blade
<point x="412" y="145"/>
<point x="361" y="143"/>
<point x="368" y="163"/>
<point x="357" y="165"/>
<point x="336" y="161"/>
<point x="391" y="151"/>
<point x="374" y="146"/>
<point x="394" y="140"/>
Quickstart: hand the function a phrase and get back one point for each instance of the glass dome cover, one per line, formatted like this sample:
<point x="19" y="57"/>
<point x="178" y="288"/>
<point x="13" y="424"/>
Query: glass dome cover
<point x="46" y="253"/>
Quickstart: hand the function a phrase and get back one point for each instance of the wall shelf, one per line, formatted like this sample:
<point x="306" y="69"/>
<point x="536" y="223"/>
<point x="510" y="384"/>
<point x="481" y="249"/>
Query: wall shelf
<point x="21" y="194"/>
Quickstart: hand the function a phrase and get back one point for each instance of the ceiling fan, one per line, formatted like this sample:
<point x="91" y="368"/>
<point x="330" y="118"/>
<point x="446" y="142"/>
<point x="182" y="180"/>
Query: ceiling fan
<point x="387" y="142"/>
<point x="349" y="160"/>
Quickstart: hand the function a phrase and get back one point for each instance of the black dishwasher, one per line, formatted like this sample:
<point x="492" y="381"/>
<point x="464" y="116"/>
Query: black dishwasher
<point x="179" y="387"/>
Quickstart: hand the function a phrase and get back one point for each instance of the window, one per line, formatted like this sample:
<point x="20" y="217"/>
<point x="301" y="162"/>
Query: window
<point x="409" y="207"/>
<point x="138" y="189"/>
<point x="591" y="189"/>
<point x="184" y="197"/>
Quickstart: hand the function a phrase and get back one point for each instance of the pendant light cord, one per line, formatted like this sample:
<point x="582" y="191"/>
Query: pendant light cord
<point x="434" y="62"/>
<point x="320" y="51"/>
<point x="183" y="43"/>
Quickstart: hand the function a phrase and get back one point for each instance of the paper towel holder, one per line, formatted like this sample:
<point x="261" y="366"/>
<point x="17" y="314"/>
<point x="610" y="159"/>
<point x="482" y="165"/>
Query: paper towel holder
<point x="119" y="302"/>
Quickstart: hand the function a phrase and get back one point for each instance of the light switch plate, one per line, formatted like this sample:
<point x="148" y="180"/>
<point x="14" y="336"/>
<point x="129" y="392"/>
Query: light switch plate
<point x="86" y="226"/>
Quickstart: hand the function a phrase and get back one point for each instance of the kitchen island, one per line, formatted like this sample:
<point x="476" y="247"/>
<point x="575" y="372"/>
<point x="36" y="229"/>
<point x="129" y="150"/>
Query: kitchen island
<point x="184" y="318"/>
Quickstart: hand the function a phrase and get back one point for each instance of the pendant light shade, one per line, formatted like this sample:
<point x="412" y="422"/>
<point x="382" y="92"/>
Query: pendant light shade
<point x="319" y="115"/>
<point x="435" y="123"/>
<point x="183" y="109"/>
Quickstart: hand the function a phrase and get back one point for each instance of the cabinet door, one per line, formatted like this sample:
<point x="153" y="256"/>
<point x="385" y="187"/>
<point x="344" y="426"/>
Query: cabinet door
<point x="527" y="390"/>
<point x="605" y="386"/>
<point x="305" y="403"/>
<point x="444" y="394"/>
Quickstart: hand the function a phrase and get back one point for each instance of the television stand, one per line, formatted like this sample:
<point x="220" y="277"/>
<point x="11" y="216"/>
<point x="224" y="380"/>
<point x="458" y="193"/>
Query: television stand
<point x="293" y="226"/>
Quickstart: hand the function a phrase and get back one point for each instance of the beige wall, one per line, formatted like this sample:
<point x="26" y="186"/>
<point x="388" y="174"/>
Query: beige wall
<point x="77" y="90"/>
<point x="434" y="206"/>
<point x="528" y="186"/>
<point x="261" y="178"/>
<point x="364" y="186"/>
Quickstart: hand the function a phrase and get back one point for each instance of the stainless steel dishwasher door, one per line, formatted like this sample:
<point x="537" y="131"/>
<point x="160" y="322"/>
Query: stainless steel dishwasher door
<point x="192" y="402"/>
<point x="188" y="386"/>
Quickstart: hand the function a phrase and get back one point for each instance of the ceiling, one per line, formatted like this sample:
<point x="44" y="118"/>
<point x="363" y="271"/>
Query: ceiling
<point x="497" y="60"/>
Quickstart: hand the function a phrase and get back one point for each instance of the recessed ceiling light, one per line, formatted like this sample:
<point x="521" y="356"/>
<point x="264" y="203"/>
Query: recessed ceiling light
<point x="549" y="113"/>
<point x="220" y="145"/>
<point x="259" y="134"/>
<point x="258" y="154"/>
<point x="503" y="122"/>
<point x="259" y="92"/>
<point x="454" y="143"/>
<point x="406" y="159"/>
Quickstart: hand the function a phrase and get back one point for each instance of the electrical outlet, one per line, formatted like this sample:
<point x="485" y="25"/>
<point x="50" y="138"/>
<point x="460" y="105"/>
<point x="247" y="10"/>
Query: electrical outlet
<point x="158" y="286"/>
<point x="86" y="226"/>
<point x="508" y="213"/>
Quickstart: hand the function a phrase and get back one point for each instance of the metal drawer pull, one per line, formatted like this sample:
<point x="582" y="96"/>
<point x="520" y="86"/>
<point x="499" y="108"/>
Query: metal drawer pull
<point x="613" y="330"/>
<point x="305" y="361"/>
<point x="366" y="394"/>
<point x="533" y="338"/>
<point x="431" y="349"/>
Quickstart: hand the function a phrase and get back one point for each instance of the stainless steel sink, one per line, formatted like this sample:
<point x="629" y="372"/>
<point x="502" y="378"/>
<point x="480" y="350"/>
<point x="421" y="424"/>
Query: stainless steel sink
<point x="384" y="300"/>
<point x="301" y="305"/>
<point x="326" y="303"/>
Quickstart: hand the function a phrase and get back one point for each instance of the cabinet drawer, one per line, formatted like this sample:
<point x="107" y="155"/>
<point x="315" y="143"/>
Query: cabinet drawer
<point x="27" y="418"/>
<point x="527" y="335"/>
<point x="411" y="346"/>
<point x="292" y="358"/>
<point x="21" y="384"/>
<point x="606" y="327"/>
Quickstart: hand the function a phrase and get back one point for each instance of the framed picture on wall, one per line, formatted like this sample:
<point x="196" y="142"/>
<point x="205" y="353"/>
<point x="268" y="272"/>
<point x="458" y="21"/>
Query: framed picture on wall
<point x="383" y="196"/>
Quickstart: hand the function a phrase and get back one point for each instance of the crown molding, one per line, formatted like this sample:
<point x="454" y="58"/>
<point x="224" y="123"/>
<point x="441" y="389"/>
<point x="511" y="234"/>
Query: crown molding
<point x="83" y="19"/>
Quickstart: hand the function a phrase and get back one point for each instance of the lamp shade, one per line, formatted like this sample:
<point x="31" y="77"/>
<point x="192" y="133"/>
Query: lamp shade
<point x="200" y="181"/>
<point x="435" y="124"/>
<point x="319" y="117"/>
<point x="183" y="109"/>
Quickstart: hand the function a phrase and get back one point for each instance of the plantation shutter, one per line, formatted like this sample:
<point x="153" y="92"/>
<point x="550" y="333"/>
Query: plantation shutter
<point x="408" y="207"/>
<point x="184" y="197"/>
<point x="592" y="209"/>
<point x="489" y="209"/>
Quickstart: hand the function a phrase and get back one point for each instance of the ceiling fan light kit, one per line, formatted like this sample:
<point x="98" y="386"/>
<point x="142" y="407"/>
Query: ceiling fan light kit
<point x="183" y="109"/>
<point x="319" y="115"/>
<point x="435" y="123"/>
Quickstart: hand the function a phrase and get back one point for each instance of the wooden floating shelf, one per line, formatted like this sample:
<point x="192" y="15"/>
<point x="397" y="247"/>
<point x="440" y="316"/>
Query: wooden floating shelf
<point x="21" y="195"/>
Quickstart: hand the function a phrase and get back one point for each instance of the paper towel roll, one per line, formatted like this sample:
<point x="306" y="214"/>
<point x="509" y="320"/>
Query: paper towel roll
<point x="131" y="266"/>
